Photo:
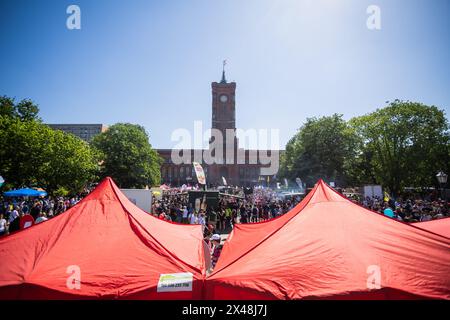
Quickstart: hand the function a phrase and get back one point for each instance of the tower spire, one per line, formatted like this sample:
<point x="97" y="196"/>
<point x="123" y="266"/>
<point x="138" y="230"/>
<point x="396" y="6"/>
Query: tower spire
<point x="223" y="72"/>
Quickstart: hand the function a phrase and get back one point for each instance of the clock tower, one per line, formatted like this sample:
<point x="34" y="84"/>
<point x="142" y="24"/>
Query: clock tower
<point x="224" y="120"/>
<point x="223" y="105"/>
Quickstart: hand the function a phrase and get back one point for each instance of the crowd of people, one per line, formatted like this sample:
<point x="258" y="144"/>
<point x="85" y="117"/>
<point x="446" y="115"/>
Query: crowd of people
<point x="261" y="205"/>
<point x="18" y="213"/>
<point x="409" y="210"/>
<point x="232" y="206"/>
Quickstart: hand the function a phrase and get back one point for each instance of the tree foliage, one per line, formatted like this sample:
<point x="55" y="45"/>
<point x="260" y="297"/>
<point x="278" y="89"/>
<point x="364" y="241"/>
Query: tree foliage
<point x="33" y="154"/>
<point x="127" y="156"/>
<point x="401" y="145"/>
<point x="319" y="150"/>
<point x="404" y="144"/>
<point x="25" y="110"/>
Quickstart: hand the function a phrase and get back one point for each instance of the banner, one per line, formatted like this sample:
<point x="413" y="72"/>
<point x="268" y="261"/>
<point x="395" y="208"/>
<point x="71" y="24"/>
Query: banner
<point x="199" y="173"/>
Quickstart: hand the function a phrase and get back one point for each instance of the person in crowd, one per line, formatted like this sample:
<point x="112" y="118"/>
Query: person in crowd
<point x="3" y="225"/>
<point x="221" y="219"/>
<point x="185" y="215"/>
<point x="179" y="212"/>
<point x="14" y="214"/>
<point x="14" y="221"/>
<point x="243" y="214"/>
<point x="216" y="249"/>
<point x="388" y="212"/>
<point x="228" y="217"/>
<point x="254" y="214"/>
<point x="36" y="209"/>
<point x="42" y="217"/>
<point x="202" y="219"/>
<point x="194" y="218"/>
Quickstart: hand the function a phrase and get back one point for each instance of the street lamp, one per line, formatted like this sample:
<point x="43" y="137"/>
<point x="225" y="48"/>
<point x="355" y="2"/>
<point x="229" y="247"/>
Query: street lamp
<point x="442" y="179"/>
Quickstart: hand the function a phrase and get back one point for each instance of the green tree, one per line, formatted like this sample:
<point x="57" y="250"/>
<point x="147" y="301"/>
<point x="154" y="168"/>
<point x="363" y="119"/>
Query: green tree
<point x="72" y="162"/>
<point x="405" y="144"/>
<point x="319" y="150"/>
<point x="7" y="107"/>
<point x="32" y="154"/>
<point x="128" y="156"/>
<point x="25" y="110"/>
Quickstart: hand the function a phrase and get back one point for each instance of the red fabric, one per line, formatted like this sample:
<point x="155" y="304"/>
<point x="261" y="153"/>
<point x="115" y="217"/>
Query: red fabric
<point x="439" y="226"/>
<point x="120" y="250"/>
<point x="324" y="249"/>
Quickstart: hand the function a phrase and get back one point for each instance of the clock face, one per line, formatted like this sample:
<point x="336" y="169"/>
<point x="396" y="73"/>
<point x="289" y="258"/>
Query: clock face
<point x="223" y="98"/>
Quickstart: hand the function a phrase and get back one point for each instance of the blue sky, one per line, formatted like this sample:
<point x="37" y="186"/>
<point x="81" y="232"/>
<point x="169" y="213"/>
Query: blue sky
<point x="152" y="62"/>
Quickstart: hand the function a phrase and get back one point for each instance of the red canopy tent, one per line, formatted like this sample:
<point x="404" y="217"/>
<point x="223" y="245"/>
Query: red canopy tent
<point x="103" y="248"/>
<point x="439" y="226"/>
<point x="328" y="247"/>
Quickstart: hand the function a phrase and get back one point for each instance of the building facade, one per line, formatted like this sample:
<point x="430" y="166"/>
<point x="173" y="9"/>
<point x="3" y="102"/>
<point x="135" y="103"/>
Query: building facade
<point x="234" y="165"/>
<point x="84" y="131"/>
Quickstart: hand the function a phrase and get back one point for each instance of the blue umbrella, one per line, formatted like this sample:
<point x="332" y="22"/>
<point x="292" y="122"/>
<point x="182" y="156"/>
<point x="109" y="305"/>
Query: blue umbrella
<point x="24" y="193"/>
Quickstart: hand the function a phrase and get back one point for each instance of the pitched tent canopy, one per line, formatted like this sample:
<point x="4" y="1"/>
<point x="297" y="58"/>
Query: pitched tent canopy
<point x="439" y="226"/>
<point x="328" y="247"/>
<point x="25" y="193"/>
<point x="116" y="250"/>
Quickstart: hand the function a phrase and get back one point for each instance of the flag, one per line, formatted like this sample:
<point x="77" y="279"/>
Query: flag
<point x="386" y="197"/>
<point x="2" y="181"/>
<point x="224" y="181"/>
<point x="199" y="173"/>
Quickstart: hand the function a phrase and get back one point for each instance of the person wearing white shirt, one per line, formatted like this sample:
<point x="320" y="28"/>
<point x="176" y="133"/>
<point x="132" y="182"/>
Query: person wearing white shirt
<point x="13" y="215"/>
<point x="41" y="218"/>
<point x="2" y="225"/>
<point x="194" y="218"/>
<point x="202" y="220"/>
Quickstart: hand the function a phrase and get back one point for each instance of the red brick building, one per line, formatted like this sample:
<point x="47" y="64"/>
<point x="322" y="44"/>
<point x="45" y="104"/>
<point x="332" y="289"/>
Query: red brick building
<point x="236" y="165"/>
